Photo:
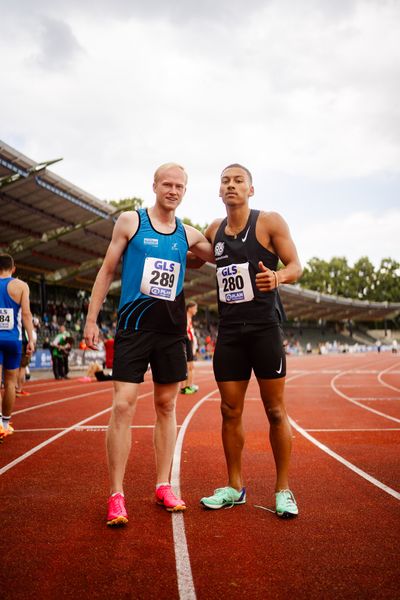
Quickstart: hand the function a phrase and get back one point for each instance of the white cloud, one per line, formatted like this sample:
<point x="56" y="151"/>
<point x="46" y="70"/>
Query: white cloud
<point x="374" y="235"/>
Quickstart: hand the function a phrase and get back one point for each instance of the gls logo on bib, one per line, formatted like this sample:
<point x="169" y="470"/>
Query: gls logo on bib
<point x="160" y="278"/>
<point x="234" y="283"/>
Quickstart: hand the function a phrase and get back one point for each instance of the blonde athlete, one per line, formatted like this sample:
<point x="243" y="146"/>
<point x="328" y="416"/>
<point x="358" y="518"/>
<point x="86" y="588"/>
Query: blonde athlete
<point x="248" y="245"/>
<point x="151" y="327"/>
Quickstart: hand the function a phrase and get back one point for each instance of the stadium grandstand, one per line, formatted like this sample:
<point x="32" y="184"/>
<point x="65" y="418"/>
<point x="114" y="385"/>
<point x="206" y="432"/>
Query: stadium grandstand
<point x="58" y="235"/>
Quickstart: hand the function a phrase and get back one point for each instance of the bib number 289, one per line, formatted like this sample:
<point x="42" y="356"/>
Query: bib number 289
<point x="160" y="278"/>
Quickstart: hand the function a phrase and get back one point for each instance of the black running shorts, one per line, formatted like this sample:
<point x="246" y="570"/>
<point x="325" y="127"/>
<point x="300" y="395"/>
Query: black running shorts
<point x="135" y="350"/>
<point x="189" y="350"/>
<point x="245" y="347"/>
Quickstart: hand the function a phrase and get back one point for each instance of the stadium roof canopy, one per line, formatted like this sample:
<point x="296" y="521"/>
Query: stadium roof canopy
<point x="52" y="228"/>
<point x="57" y="233"/>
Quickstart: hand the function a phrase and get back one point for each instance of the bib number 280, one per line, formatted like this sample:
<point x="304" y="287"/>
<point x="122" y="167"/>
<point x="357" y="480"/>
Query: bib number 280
<point x="233" y="283"/>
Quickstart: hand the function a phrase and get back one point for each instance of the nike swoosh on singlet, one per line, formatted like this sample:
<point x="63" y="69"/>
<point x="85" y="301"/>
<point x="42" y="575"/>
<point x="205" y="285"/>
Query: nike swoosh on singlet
<point x="245" y="235"/>
<point x="280" y="368"/>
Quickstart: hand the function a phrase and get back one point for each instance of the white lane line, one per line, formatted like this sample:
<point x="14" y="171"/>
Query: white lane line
<point x="392" y="387"/>
<point x="339" y="393"/>
<point x="362" y="430"/>
<point x="50" y="388"/>
<point x="56" y="437"/>
<point x="81" y="428"/>
<point x="377" y="399"/>
<point x="49" y="441"/>
<point x="182" y="559"/>
<point x="53" y="402"/>
<point x="357" y="386"/>
<point x="345" y="462"/>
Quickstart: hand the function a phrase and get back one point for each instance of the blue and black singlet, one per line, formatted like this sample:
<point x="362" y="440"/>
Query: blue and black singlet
<point x="139" y="311"/>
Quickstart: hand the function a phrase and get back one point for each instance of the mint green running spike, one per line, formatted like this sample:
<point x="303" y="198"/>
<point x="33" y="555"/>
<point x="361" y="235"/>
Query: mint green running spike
<point x="286" y="506"/>
<point x="226" y="496"/>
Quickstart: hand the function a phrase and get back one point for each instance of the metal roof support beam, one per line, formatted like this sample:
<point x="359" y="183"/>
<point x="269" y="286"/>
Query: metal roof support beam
<point x="23" y="174"/>
<point x="38" y="211"/>
<point x="74" y="199"/>
<point x="55" y="234"/>
<point x="69" y="272"/>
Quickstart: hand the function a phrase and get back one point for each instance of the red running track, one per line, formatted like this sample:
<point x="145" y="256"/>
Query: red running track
<point x="345" y="414"/>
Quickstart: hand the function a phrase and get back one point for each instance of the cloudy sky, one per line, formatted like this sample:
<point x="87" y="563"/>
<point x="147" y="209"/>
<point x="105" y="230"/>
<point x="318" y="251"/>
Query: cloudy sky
<point x="305" y="94"/>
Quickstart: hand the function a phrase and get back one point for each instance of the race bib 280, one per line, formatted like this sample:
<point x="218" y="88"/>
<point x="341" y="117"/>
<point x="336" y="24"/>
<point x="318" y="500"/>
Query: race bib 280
<point x="234" y="283"/>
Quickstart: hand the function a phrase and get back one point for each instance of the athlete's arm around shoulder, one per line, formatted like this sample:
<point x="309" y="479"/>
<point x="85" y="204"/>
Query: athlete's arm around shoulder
<point x="125" y="227"/>
<point x="194" y="262"/>
<point x="199" y="245"/>
<point x="212" y="229"/>
<point x="273" y="233"/>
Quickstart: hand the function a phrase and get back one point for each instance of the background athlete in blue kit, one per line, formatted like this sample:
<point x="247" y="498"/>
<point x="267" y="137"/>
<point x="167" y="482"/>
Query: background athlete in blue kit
<point x="247" y="246"/>
<point x="14" y="311"/>
<point x="151" y="327"/>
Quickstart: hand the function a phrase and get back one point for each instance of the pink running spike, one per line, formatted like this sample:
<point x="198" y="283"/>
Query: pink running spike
<point x="117" y="515"/>
<point x="166" y="497"/>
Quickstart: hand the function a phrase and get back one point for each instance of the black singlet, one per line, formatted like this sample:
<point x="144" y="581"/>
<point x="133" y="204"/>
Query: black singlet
<point x="265" y="307"/>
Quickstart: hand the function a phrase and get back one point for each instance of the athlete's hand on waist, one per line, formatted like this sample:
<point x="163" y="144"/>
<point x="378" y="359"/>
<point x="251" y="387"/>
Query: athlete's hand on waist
<point x="266" y="280"/>
<point x="91" y="335"/>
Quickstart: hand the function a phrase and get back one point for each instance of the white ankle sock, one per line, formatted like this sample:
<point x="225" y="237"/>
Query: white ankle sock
<point x="162" y="483"/>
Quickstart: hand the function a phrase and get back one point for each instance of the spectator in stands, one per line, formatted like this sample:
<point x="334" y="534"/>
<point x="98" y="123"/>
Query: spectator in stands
<point x="248" y="245"/>
<point x="46" y="343"/>
<point x="188" y="386"/>
<point x="54" y="326"/>
<point x="14" y="307"/>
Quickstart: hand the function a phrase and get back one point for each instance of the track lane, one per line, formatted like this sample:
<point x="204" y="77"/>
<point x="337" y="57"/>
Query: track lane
<point x="69" y="477"/>
<point x="244" y="551"/>
<point x="330" y="551"/>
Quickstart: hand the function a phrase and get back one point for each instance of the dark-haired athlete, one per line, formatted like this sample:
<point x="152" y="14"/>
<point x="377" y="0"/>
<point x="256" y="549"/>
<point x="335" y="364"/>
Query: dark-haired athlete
<point x="151" y="327"/>
<point x="247" y="246"/>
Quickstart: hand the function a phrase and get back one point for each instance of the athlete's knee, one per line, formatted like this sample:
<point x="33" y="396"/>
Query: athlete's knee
<point x="276" y="414"/>
<point x="165" y="406"/>
<point x="123" y="408"/>
<point x="230" y="411"/>
<point x="9" y="385"/>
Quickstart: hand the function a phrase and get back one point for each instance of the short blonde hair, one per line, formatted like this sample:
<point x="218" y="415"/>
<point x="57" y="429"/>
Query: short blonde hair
<point x="169" y="165"/>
